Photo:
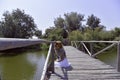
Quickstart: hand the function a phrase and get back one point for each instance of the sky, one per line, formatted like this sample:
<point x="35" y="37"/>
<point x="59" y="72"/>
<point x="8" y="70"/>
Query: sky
<point x="45" y="12"/>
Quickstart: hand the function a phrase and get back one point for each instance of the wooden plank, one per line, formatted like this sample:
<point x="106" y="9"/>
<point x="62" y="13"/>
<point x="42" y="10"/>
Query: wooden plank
<point x="98" y="41"/>
<point x="84" y="68"/>
<point x="10" y="43"/>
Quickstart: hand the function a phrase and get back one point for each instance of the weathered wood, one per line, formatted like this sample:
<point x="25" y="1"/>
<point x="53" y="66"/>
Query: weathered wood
<point x="75" y="44"/>
<point x="86" y="49"/>
<point x="84" y="67"/>
<point x="53" y="58"/>
<point x="97" y="41"/>
<point x="91" y="48"/>
<point x="103" y="50"/>
<point x="9" y="43"/>
<point x="46" y="63"/>
<point x="118" y="57"/>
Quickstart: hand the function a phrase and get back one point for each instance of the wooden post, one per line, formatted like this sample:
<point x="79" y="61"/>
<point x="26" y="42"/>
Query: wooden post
<point x="118" y="57"/>
<point x="91" y="48"/>
<point x="52" y="53"/>
<point x="81" y="47"/>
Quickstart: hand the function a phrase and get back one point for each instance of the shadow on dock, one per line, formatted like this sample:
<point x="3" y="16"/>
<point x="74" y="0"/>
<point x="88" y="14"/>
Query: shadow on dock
<point x="65" y="72"/>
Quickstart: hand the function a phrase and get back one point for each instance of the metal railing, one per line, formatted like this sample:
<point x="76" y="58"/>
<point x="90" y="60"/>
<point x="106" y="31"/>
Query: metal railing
<point x="77" y="44"/>
<point x="48" y="66"/>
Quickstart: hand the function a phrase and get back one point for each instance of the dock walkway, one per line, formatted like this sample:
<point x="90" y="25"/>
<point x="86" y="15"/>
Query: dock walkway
<point x="84" y="67"/>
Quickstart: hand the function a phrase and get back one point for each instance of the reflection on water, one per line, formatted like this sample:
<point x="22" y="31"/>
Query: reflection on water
<point x="27" y="66"/>
<point x="39" y="69"/>
<point x="39" y="62"/>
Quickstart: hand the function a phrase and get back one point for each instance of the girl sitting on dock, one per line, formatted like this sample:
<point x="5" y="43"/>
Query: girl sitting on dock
<point x="61" y="55"/>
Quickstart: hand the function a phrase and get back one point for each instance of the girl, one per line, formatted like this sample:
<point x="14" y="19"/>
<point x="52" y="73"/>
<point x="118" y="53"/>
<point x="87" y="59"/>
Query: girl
<point x="61" y="55"/>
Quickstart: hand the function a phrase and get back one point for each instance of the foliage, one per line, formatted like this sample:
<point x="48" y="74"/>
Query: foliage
<point x="44" y="46"/>
<point x="73" y="21"/>
<point x="59" y="22"/>
<point x="38" y="33"/>
<point x="20" y="25"/>
<point x="106" y="35"/>
<point x="117" y="38"/>
<point x="75" y="36"/>
<point x="17" y="25"/>
<point x="48" y="32"/>
<point x="116" y="33"/>
<point x="92" y="31"/>
<point x="53" y="33"/>
<point x="93" y="22"/>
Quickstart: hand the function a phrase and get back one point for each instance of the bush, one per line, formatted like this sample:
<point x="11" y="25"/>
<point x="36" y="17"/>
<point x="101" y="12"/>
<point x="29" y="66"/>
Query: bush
<point x="75" y="36"/>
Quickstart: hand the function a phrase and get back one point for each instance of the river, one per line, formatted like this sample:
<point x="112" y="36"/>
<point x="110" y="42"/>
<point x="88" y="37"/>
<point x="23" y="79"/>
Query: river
<point x="23" y="66"/>
<point x="109" y="57"/>
<point x="29" y="65"/>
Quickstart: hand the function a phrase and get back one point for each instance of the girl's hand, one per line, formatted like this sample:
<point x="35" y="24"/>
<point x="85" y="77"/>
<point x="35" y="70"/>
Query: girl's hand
<point x="58" y="60"/>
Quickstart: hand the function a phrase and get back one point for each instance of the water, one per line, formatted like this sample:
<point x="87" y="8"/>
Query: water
<point x="23" y="66"/>
<point x="29" y="65"/>
<point x="109" y="57"/>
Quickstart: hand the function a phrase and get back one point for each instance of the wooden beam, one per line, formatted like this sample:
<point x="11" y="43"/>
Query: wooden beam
<point x="98" y="41"/>
<point x="86" y="49"/>
<point x="118" y="57"/>
<point x="103" y="50"/>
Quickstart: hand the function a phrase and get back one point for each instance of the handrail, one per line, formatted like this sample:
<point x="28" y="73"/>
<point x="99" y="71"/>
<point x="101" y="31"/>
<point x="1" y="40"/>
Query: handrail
<point x="46" y="62"/>
<point x="103" y="49"/>
<point x="113" y="43"/>
<point x="90" y="53"/>
<point x="10" y="43"/>
<point x="98" y="41"/>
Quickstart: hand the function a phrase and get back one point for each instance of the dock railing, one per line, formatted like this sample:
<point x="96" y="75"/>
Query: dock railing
<point x="89" y="50"/>
<point x="49" y="63"/>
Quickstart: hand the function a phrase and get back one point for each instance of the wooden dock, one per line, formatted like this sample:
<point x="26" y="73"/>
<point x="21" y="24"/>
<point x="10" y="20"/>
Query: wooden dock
<point x="84" y="67"/>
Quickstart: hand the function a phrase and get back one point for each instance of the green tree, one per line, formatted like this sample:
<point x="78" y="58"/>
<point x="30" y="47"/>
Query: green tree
<point x="59" y="22"/>
<point x="93" y="22"/>
<point x="38" y="33"/>
<point x="17" y="25"/>
<point x="116" y="33"/>
<point x="106" y="35"/>
<point x="76" y="36"/>
<point x="73" y="21"/>
<point x="55" y="34"/>
<point x="48" y="32"/>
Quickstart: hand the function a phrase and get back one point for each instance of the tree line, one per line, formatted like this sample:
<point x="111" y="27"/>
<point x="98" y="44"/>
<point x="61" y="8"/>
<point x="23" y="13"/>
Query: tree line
<point x="72" y="23"/>
<point x="17" y="24"/>
<point x="72" y="26"/>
